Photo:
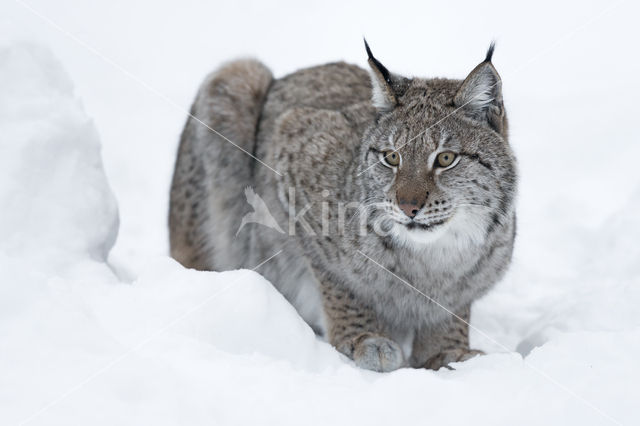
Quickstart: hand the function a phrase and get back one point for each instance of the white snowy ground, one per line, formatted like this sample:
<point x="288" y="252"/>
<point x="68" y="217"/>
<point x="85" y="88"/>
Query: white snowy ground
<point x="131" y="337"/>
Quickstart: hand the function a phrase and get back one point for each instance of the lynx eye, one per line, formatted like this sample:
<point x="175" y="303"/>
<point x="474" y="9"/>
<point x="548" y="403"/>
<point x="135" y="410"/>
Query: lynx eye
<point x="445" y="159"/>
<point x="392" y="158"/>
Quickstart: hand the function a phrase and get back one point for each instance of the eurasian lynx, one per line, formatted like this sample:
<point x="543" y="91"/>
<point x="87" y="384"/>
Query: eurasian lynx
<point x="397" y="194"/>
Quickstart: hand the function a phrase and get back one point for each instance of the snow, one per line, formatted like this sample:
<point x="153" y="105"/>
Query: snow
<point x="97" y="333"/>
<point x="47" y="138"/>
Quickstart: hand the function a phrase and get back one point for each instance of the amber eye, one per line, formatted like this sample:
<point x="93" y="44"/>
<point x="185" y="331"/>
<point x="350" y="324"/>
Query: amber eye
<point x="392" y="158"/>
<point x="445" y="159"/>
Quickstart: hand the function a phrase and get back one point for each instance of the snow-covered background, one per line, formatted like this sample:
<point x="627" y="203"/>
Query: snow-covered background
<point x="92" y="99"/>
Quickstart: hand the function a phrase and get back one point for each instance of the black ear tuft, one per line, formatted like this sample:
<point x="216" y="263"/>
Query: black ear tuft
<point x="492" y="47"/>
<point x="366" y="46"/>
<point x="384" y="72"/>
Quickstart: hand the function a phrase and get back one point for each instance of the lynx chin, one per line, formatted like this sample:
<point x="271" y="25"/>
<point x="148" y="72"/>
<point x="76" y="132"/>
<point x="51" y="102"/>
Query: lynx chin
<point x="423" y="166"/>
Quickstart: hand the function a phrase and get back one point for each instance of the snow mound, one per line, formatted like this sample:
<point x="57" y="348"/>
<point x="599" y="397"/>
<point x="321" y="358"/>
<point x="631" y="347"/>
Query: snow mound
<point x="53" y="192"/>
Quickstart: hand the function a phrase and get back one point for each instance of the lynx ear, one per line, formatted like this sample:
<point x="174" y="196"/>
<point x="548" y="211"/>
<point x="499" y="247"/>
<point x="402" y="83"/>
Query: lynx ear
<point x="383" y="95"/>
<point x="480" y="95"/>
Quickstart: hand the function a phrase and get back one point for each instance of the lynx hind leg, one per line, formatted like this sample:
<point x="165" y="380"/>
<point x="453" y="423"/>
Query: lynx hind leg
<point x="354" y="330"/>
<point x="210" y="172"/>
<point x="439" y="346"/>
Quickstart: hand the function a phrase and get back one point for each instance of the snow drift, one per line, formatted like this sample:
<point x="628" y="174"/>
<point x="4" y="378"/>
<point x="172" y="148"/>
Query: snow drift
<point x="81" y="343"/>
<point x="54" y="194"/>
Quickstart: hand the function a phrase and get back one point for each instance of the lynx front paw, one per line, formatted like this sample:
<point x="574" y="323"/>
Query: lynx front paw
<point x="444" y="358"/>
<point x="374" y="352"/>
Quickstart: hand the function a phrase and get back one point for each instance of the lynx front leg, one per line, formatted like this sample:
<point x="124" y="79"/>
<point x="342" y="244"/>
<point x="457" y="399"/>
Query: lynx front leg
<point x="441" y="345"/>
<point x="356" y="332"/>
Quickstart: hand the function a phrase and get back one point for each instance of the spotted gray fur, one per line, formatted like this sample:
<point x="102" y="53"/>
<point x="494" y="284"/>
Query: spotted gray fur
<point x="324" y="129"/>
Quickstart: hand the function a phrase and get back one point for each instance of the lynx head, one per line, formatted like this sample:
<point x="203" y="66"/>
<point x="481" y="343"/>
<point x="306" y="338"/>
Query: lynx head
<point x="437" y="159"/>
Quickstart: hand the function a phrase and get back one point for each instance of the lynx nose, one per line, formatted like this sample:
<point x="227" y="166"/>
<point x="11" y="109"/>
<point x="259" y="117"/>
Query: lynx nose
<point x="410" y="207"/>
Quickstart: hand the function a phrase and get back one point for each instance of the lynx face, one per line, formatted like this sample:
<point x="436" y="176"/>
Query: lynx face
<point x="437" y="161"/>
